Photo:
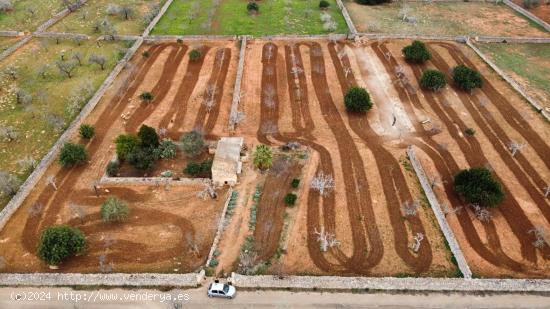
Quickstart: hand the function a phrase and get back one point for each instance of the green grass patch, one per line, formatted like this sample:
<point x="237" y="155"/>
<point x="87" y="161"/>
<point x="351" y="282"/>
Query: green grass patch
<point x="27" y="15"/>
<point x="529" y="62"/>
<point x="7" y="42"/>
<point x="55" y="99"/>
<point x="228" y="17"/>
<point x="85" y="19"/>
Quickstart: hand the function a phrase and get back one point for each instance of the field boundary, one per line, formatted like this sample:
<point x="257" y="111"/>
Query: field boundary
<point x="136" y="181"/>
<point x="57" y="17"/>
<point x="382" y="36"/>
<point x="440" y="216"/>
<point x="5" y="54"/>
<point x="514" y="39"/>
<point x="155" y="20"/>
<point x="237" y="89"/>
<point x="10" y="33"/>
<point x="62" y="35"/>
<point x="510" y="81"/>
<point x="334" y="283"/>
<point x="112" y="279"/>
<point x="219" y="231"/>
<point x="527" y="14"/>
<point x="347" y="18"/>
<point x="162" y="38"/>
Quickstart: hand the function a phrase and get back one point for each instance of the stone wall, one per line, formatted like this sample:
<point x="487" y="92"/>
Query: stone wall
<point x="5" y="54"/>
<point x="61" y="35"/>
<point x="382" y="36"/>
<point x="545" y="113"/>
<point x="503" y="39"/>
<point x="155" y="20"/>
<point x="115" y="279"/>
<point x="439" y="215"/>
<point x="152" y="181"/>
<point x="347" y="18"/>
<point x="161" y="38"/>
<point x="237" y="90"/>
<point x="11" y="33"/>
<point x="57" y="17"/>
<point x="333" y="283"/>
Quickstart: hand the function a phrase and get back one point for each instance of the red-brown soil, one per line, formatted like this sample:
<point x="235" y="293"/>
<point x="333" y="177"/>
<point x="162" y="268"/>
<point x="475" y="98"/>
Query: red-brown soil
<point x="542" y="11"/>
<point x="175" y="215"/>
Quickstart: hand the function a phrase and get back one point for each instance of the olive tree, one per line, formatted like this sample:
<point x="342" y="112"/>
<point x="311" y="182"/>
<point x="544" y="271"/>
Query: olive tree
<point x="9" y="184"/>
<point x="72" y="154"/>
<point x="466" y="78"/>
<point x="357" y="100"/>
<point x="417" y="52"/>
<point x="192" y="143"/>
<point x="433" y="80"/>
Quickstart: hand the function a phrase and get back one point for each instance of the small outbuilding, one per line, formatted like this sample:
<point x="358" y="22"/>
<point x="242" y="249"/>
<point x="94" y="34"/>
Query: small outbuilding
<point x="227" y="161"/>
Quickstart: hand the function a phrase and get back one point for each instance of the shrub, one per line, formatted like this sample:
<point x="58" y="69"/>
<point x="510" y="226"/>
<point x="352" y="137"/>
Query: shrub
<point x="72" y="154"/>
<point x="192" y="143"/>
<point x="372" y="2"/>
<point x="146" y="54"/>
<point x="199" y="169"/>
<point x="141" y="158"/>
<point x="195" y="55"/>
<point x="60" y="242"/>
<point x="9" y="184"/>
<point x="86" y="131"/>
<point x="125" y="144"/>
<point x="433" y="80"/>
<point x="470" y="131"/>
<point x="263" y="157"/>
<point x="114" y="210"/>
<point x="466" y="78"/>
<point x="477" y="186"/>
<point x="290" y="199"/>
<point x="167" y="149"/>
<point x="295" y="183"/>
<point x="252" y="7"/>
<point x="323" y="4"/>
<point x="148" y="137"/>
<point x="357" y="100"/>
<point x="146" y="97"/>
<point x="112" y="168"/>
<point x="416" y="52"/>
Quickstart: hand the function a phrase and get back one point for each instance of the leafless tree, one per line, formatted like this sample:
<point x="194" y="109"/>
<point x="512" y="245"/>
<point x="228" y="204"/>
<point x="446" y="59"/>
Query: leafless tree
<point x="78" y="211"/>
<point x="514" y="147"/>
<point x="126" y="12"/>
<point x="418" y="238"/>
<point x="208" y="190"/>
<point x="23" y="97"/>
<point x="42" y="71"/>
<point x="9" y="184"/>
<point x="237" y="117"/>
<point x="66" y="67"/>
<point x="12" y="71"/>
<point x="193" y="243"/>
<point x="32" y="11"/>
<point x="105" y="267"/>
<point x="6" y="5"/>
<point x="112" y="9"/>
<point x="404" y="11"/>
<point x="269" y="51"/>
<point x="51" y="181"/>
<point x="8" y="132"/>
<point x="99" y="60"/>
<point x="540" y="237"/>
<point x="410" y="208"/>
<point x="107" y="240"/>
<point x="27" y="164"/>
<point x="481" y="213"/>
<point x="547" y="190"/>
<point x="269" y="128"/>
<point x="107" y="29"/>
<point x="35" y="210"/>
<point x="210" y="94"/>
<point x="72" y="5"/>
<point x="56" y="121"/>
<point x="269" y="96"/>
<point x="326" y="240"/>
<point x="78" y="57"/>
<point x="322" y="183"/>
<point x="450" y="210"/>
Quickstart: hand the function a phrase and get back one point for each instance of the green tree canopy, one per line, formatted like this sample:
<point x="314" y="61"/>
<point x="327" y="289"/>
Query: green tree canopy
<point x="466" y="78"/>
<point x="148" y="137"/>
<point x="125" y="144"/>
<point x="60" y="242"/>
<point x="477" y="186"/>
<point x="357" y="100"/>
<point x="114" y="210"/>
<point x="72" y="154"/>
<point x="416" y="52"/>
<point x="192" y="143"/>
<point x="263" y="157"/>
<point x="433" y="80"/>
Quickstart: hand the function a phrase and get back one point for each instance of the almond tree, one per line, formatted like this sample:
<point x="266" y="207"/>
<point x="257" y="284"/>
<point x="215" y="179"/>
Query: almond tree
<point x="326" y="240"/>
<point x="322" y="183"/>
<point x="418" y="238"/>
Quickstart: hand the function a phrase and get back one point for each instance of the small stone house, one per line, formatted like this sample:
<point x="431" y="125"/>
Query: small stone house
<point x="227" y="163"/>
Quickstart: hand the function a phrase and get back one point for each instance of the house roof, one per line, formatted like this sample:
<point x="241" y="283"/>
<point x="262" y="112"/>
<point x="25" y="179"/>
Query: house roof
<point x="228" y="155"/>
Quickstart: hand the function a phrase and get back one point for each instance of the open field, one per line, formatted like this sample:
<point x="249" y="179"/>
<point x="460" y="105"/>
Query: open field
<point x="174" y="214"/>
<point x="456" y="18"/>
<point x="27" y="15"/>
<point x="49" y="101"/>
<point x="528" y="64"/>
<point x="231" y="17"/>
<point x="85" y="19"/>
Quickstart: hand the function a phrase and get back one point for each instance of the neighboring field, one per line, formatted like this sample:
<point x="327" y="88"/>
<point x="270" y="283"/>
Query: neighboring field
<point x="86" y="19"/>
<point x="231" y="17"/>
<point x="542" y="10"/>
<point x="456" y="18"/>
<point x="529" y="64"/>
<point x="48" y="101"/>
<point x="27" y="15"/>
<point x="183" y="224"/>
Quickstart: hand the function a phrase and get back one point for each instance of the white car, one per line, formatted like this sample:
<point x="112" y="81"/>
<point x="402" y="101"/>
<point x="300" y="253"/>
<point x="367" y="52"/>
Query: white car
<point x="221" y="290"/>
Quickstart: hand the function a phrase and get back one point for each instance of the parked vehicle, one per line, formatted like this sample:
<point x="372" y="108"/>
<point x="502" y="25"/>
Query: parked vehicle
<point x="224" y="290"/>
